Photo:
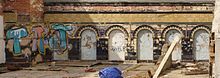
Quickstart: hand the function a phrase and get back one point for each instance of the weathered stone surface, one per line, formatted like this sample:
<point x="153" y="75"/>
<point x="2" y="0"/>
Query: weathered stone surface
<point x="109" y="8"/>
<point x="1" y="8"/>
<point x="2" y="42"/>
<point x="166" y="17"/>
<point x="171" y="1"/>
<point x="20" y="6"/>
<point x="36" y="10"/>
<point x="10" y="17"/>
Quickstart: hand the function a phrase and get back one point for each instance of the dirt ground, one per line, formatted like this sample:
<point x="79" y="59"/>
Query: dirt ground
<point x="178" y="73"/>
<point x="72" y="70"/>
<point x="77" y="70"/>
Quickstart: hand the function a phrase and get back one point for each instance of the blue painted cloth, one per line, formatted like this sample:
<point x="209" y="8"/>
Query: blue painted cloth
<point x="110" y="72"/>
<point x="16" y="34"/>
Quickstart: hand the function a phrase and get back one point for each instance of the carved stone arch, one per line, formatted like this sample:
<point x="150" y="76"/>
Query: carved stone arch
<point x="143" y="27"/>
<point x="171" y="27"/>
<point x="199" y="27"/>
<point x="89" y="27"/>
<point x="144" y="40"/>
<point x="116" y="27"/>
<point x="200" y="38"/>
<point x="88" y="42"/>
<point x="168" y="35"/>
<point x="117" y="42"/>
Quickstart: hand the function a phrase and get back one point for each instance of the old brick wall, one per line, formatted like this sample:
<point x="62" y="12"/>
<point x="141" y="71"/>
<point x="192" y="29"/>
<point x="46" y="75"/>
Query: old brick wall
<point x="19" y="6"/>
<point x="1" y="7"/>
<point x="25" y="10"/>
<point x="22" y="16"/>
<point x="102" y="18"/>
<point x="37" y="10"/>
<point x="132" y="16"/>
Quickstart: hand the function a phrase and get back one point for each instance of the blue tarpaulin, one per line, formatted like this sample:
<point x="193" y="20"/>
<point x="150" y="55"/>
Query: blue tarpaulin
<point x="110" y="72"/>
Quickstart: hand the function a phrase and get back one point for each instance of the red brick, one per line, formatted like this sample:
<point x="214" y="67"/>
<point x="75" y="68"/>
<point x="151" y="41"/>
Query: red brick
<point x="19" y="6"/>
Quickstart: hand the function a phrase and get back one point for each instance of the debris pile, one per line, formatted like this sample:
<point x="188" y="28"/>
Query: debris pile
<point x="88" y="69"/>
<point x="194" y="69"/>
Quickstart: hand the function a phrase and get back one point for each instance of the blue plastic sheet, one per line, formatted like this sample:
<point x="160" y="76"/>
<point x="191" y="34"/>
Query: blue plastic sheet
<point x="110" y="72"/>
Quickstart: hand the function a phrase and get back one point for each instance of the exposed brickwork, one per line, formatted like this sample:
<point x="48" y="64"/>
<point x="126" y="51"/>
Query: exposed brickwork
<point x="10" y="17"/>
<point x="37" y="10"/>
<point x="1" y="7"/>
<point x="22" y="7"/>
<point x="26" y="10"/>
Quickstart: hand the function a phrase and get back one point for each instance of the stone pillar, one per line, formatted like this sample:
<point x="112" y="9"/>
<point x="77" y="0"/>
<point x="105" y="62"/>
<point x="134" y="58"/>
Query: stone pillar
<point x="217" y="58"/>
<point x="216" y="30"/>
<point x="2" y="42"/>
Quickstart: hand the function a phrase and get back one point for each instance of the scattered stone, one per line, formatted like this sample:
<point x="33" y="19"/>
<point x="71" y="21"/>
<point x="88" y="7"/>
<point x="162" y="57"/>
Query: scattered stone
<point x="198" y="68"/>
<point x="90" y="70"/>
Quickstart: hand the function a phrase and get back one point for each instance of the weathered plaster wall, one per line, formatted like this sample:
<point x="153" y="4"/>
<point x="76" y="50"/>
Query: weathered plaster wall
<point x="215" y="30"/>
<point x="2" y="42"/>
<point x="216" y="18"/>
<point x="44" y="39"/>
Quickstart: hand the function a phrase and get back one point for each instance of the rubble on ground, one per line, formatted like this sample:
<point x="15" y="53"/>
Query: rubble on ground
<point x="196" y="68"/>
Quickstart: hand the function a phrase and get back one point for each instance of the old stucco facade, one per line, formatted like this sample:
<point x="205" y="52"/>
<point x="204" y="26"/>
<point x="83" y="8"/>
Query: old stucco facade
<point x="2" y="42"/>
<point x="109" y="30"/>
